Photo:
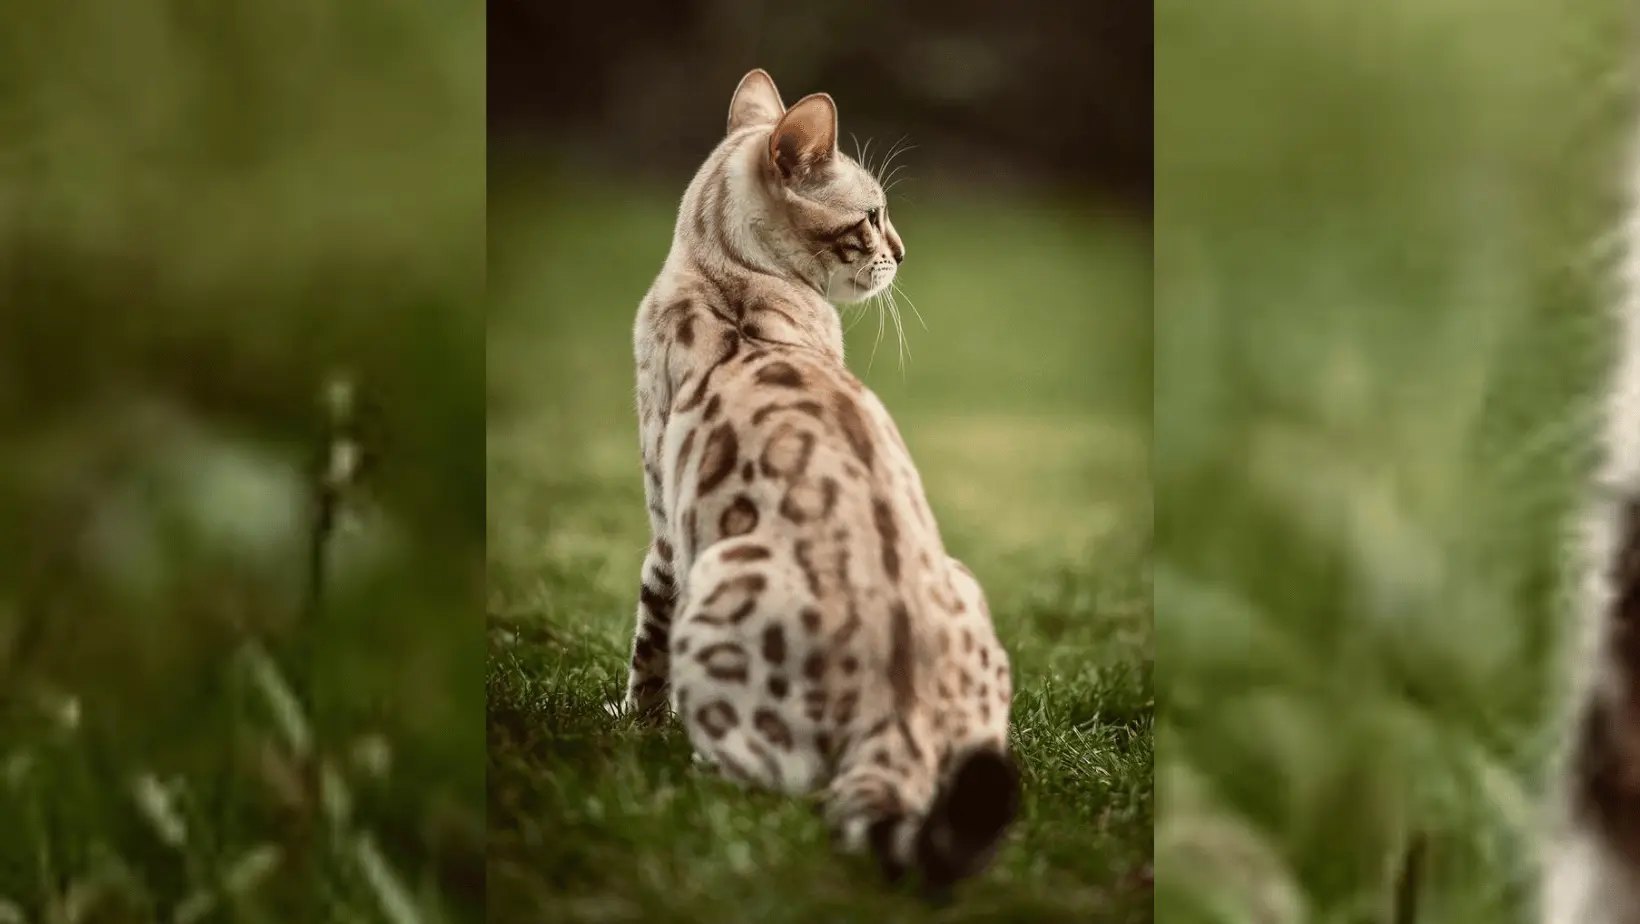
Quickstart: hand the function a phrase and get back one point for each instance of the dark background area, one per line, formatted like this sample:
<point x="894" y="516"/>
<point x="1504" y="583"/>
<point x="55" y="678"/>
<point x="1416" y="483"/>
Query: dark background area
<point x="1035" y="94"/>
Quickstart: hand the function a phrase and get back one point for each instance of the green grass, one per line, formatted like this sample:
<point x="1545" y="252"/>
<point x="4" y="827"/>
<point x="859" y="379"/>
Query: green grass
<point x="1379" y="327"/>
<point x="206" y="211"/>
<point x="1025" y="403"/>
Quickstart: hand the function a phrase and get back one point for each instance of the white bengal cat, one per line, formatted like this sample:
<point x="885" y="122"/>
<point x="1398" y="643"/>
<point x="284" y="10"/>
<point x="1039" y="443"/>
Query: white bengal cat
<point x="1592" y="866"/>
<point x="797" y="609"/>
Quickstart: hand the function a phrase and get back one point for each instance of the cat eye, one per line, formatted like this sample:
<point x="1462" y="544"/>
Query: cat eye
<point x="872" y="215"/>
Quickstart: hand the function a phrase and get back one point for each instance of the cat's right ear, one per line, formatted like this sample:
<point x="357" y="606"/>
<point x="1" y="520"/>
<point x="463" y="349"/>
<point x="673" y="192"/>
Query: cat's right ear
<point x="805" y="137"/>
<point x="756" y="102"/>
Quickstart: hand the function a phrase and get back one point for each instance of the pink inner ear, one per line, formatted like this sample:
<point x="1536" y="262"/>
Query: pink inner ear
<point x="786" y="149"/>
<point x="801" y="137"/>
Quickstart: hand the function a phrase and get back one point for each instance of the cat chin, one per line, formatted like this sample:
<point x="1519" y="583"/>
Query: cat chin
<point x="847" y="292"/>
<point x="856" y="295"/>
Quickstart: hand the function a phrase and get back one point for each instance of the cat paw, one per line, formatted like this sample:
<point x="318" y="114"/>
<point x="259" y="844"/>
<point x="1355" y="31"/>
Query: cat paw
<point x="851" y="836"/>
<point x="651" y="716"/>
<point x="646" y="704"/>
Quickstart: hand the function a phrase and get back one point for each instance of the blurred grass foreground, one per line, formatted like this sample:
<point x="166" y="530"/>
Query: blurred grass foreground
<point x="1379" y="327"/>
<point x="211" y="216"/>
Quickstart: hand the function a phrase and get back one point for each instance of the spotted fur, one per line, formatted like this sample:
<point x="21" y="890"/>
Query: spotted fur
<point x="1592" y="871"/>
<point x="797" y="609"/>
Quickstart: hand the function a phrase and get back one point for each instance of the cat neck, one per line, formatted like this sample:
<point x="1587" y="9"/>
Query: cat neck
<point x="718" y="254"/>
<point x="760" y="306"/>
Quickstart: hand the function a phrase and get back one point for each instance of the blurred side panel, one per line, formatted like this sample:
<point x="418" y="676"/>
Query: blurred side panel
<point x="241" y="428"/>
<point x="1382" y="260"/>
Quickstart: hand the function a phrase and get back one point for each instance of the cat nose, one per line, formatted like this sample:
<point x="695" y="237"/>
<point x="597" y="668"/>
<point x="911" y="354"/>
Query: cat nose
<point x="899" y="256"/>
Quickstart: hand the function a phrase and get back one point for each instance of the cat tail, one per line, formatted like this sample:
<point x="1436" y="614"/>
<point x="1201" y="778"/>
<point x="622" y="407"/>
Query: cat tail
<point x="1592" y="870"/>
<point x="964" y="826"/>
<point x="1593" y="875"/>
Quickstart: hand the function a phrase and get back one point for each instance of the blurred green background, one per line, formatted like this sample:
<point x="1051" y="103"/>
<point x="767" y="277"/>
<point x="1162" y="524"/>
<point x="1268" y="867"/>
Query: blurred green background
<point x="1025" y="403"/>
<point x="207" y="211"/>
<point x="1382" y="244"/>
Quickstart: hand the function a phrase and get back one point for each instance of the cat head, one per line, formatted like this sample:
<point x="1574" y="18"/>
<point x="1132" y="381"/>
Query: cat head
<point x="821" y="214"/>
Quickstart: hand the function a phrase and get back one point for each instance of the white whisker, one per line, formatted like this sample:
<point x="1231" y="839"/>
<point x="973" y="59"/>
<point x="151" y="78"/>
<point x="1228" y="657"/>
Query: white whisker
<point x="859" y="312"/>
<point x="894" y="152"/>
<point x="899" y="330"/>
<point x="895" y="285"/>
<point x="876" y="342"/>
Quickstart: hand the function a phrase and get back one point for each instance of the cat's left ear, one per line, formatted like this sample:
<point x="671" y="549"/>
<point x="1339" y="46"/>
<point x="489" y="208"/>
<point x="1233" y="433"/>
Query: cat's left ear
<point x="756" y="101"/>
<point x="805" y="136"/>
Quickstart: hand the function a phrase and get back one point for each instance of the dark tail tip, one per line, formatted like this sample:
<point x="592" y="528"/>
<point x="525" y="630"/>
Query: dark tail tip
<point x="965" y="825"/>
